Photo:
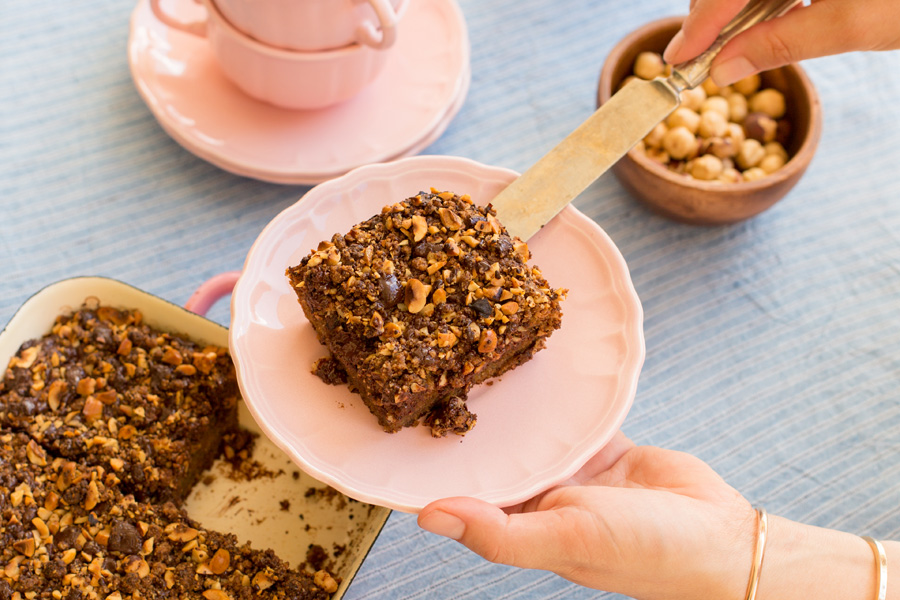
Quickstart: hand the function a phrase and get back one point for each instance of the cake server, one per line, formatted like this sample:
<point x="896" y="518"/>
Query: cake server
<point x="632" y="112"/>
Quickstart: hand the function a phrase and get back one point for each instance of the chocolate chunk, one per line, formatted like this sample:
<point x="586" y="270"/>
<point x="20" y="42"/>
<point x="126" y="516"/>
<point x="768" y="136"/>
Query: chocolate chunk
<point x="391" y="290"/>
<point x="124" y="538"/>
<point x="482" y="307"/>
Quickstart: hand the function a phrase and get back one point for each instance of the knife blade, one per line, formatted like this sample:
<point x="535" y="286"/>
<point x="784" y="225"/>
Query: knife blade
<point x="536" y="196"/>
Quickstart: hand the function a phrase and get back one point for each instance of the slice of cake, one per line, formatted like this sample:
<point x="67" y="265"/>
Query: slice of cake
<point x="68" y="532"/>
<point x="423" y="301"/>
<point x="103" y="388"/>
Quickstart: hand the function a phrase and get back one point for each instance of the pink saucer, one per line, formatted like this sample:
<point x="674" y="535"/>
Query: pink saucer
<point x="537" y="424"/>
<point x="410" y="104"/>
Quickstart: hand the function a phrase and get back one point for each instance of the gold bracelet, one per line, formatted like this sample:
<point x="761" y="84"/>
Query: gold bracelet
<point x="880" y="566"/>
<point x="755" y="569"/>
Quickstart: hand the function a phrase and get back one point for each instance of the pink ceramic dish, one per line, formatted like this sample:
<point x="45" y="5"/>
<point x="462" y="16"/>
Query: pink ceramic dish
<point x="410" y="104"/>
<point x="310" y="25"/>
<point x="285" y="78"/>
<point x="536" y="425"/>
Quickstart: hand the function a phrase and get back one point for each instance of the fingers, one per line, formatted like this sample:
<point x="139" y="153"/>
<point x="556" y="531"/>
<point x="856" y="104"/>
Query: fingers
<point x="823" y="28"/>
<point x="522" y="540"/>
<point x="614" y="450"/>
<point x="701" y="27"/>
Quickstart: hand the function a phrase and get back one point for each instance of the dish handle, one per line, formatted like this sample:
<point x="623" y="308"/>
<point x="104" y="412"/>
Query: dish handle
<point x="210" y="291"/>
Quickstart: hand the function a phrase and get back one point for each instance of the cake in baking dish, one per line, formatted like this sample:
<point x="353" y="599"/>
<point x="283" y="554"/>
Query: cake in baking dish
<point x="105" y="425"/>
<point x="421" y="302"/>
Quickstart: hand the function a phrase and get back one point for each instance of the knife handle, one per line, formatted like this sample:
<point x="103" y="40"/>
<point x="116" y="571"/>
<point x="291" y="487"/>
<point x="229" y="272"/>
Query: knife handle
<point x="691" y="73"/>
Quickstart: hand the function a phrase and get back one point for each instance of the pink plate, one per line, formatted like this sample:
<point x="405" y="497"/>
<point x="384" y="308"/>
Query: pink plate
<point x="410" y="104"/>
<point x="537" y="425"/>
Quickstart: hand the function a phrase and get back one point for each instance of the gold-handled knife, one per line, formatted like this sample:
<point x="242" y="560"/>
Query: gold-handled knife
<point x="632" y="112"/>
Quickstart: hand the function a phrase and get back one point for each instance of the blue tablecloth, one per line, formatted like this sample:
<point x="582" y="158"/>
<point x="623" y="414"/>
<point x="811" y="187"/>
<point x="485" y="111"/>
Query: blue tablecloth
<point x="773" y="346"/>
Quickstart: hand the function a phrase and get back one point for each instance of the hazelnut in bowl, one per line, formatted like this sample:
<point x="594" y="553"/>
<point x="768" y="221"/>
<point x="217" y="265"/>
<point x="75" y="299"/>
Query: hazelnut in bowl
<point x="725" y="154"/>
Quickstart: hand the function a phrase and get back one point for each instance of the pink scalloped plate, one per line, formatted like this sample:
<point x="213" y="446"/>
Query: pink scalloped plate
<point x="410" y="104"/>
<point x="537" y="425"/>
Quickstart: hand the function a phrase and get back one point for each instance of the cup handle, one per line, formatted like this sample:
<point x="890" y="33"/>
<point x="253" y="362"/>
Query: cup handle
<point x="197" y="28"/>
<point x="211" y="290"/>
<point x="368" y="34"/>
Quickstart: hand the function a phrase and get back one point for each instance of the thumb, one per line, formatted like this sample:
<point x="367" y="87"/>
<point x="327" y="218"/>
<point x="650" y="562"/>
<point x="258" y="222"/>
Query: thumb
<point x="526" y="540"/>
<point x="823" y="28"/>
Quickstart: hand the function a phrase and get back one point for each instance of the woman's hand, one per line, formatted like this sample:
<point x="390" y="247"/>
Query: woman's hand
<point x="823" y="28"/>
<point x="642" y="521"/>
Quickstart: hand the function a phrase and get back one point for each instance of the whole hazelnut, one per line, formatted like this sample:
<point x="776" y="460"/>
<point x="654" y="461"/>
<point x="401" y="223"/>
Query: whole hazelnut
<point x="693" y="98"/>
<point x="720" y="147"/>
<point x="684" y="117"/>
<point x="648" y="65"/>
<point x="706" y="167"/>
<point x="718" y="104"/>
<point x="711" y="89"/>
<point x="658" y="155"/>
<point x="748" y="85"/>
<point x="680" y="143"/>
<point x="735" y="133"/>
<point x="760" y="126"/>
<point x="771" y="163"/>
<point x="712" y="124"/>
<point x="750" y="154"/>
<point x="753" y="174"/>
<point x="769" y="101"/>
<point x="737" y="107"/>
<point x="654" y="138"/>
<point x="776" y="148"/>
<point x="730" y="175"/>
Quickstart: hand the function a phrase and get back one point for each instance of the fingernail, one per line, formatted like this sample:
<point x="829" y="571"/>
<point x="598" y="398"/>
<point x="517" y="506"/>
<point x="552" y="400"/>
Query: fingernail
<point x="444" y="524"/>
<point x="733" y="69"/>
<point x="674" y="46"/>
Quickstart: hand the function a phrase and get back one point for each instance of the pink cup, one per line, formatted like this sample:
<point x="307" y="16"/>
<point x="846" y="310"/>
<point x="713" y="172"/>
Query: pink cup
<point x="310" y="25"/>
<point x="285" y="78"/>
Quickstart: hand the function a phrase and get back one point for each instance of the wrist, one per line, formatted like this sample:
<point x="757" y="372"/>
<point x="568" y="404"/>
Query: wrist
<point x="803" y="561"/>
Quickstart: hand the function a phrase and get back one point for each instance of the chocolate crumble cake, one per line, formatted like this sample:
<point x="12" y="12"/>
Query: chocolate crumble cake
<point x="103" y="388"/>
<point x="105" y="426"/>
<point x="68" y="532"/>
<point x="421" y="302"/>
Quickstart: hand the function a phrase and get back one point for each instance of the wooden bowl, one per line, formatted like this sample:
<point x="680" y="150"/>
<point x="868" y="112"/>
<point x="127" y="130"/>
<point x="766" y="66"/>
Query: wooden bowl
<point x="683" y="198"/>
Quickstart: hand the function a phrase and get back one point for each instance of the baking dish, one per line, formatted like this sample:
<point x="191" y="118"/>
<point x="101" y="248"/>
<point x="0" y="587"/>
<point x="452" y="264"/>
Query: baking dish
<point x="283" y="509"/>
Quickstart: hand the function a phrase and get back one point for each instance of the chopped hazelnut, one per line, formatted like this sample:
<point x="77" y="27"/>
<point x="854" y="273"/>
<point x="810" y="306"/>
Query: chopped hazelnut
<point x="416" y="295"/>
<point x="324" y="580"/>
<point x="488" y="341"/>
<point x="220" y="561"/>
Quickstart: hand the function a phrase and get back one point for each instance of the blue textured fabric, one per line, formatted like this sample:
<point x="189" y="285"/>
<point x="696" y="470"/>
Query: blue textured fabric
<point x="773" y="346"/>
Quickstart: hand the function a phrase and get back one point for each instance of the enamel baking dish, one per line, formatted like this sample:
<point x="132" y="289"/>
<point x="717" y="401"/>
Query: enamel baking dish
<point x="283" y="508"/>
